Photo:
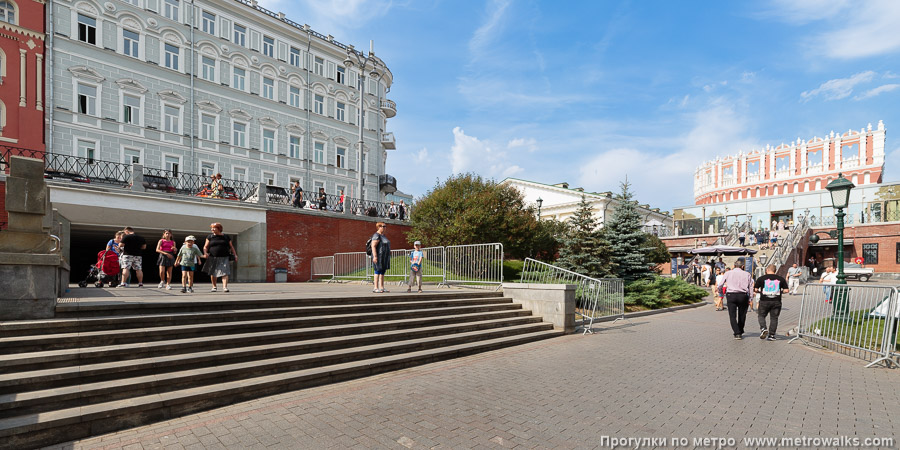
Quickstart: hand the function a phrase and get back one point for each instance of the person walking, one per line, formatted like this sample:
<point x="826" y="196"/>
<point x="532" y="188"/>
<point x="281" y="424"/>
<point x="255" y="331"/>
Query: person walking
<point x="717" y="289"/>
<point x="323" y="199"/>
<point x="166" y="261"/>
<point x="704" y="274"/>
<point x="737" y="292"/>
<point x="218" y="251"/>
<point x="416" y="259"/>
<point x="793" y="279"/>
<point x="742" y="236"/>
<point x="695" y="269"/>
<point x="132" y="246"/>
<point x="829" y="279"/>
<point x="188" y="258"/>
<point x="770" y="287"/>
<point x="297" y="196"/>
<point x="381" y="256"/>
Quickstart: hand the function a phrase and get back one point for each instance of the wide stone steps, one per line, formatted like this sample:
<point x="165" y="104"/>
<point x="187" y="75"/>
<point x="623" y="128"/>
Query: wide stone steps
<point x="107" y="366"/>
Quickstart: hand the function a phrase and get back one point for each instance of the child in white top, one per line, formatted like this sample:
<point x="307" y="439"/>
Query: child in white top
<point x="416" y="258"/>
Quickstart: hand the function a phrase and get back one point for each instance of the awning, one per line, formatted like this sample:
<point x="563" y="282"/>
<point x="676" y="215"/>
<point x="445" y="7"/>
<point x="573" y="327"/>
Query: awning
<point x="830" y="243"/>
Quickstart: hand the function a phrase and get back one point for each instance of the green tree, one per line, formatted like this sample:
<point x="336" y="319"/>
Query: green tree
<point x="468" y="209"/>
<point x="584" y="249"/>
<point x="657" y="252"/>
<point x="627" y="239"/>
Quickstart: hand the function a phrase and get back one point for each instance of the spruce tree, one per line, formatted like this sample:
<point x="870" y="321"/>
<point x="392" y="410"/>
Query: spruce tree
<point x="626" y="238"/>
<point x="584" y="250"/>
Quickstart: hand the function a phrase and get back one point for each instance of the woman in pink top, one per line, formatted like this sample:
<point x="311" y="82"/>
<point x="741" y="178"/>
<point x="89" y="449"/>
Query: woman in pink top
<point x="166" y="249"/>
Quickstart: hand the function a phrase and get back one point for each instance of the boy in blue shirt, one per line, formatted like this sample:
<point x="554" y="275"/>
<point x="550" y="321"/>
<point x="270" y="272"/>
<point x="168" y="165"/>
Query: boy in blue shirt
<point x="416" y="258"/>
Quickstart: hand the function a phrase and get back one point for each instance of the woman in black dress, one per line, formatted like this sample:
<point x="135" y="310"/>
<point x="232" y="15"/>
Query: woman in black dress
<point x="218" y="251"/>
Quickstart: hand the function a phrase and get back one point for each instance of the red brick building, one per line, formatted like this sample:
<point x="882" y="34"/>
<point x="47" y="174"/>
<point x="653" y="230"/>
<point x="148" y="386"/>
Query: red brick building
<point x="22" y="72"/>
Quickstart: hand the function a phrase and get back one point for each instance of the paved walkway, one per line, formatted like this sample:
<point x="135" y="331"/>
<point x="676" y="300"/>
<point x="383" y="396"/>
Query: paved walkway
<point x="674" y="375"/>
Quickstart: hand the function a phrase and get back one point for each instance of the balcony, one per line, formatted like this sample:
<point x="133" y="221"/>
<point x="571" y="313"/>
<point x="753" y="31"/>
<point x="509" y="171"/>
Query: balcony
<point x="387" y="184"/>
<point x="388" y="142"/>
<point x="389" y="108"/>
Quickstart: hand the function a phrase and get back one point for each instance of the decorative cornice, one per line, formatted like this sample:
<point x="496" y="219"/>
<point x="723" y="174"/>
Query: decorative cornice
<point x="17" y="29"/>
<point x="295" y="128"/>
<point x="240" y="114"/>
<point x="172" y="96"/>
<point x="87" y="73"/>
<point x="269" y="122"/>
<point x="341" y="141"/>
<point x="208" y="106"/>
<point x="319" y="135"/>
<point x="131" y="85"/>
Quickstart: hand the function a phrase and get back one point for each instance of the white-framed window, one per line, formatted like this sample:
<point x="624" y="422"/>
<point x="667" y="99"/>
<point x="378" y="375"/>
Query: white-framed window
<point x="268" y="140"/>
<point x="172" y="119"/>
<point x="319" y="105"/>
<point x="318" y="184"/>
<point x="268" y="88"/>
<point x="294" y="58"/>
<point x="294" y="96"/>
<point x="131" y="109"/>
<point x="294" y="149"/>
<point x="341" y="75"/>
<point x="8" y="12"/>
<point x="340" y="159"/>
<point x="319" y="153"/>
<point x="173" y="53"/>
<point x="240" y="35"/>
<point x="239" y="134"/>
<point x="87" y="150"/>
<point x="239" y="173"/>
<point x="340" y="189"/>
<point x="131" y="156"/>
<point x="208" y="68"/>
<point x="268" y="178"/>
<point x="208" y="127"/>
<point x="268" y="47"/>
<point x="319" y="66"/>
<point x="172" y="163"/>
<point x="131" y="43"/>
<point x="86" y="99"/>
<point x="208" y="22"/>
<point x="340" y="112"/>
<point x="239" y="79"/>
<point x="170" y="9"/>
<point x="207" y="168"/>
<point x="87" y="29"/>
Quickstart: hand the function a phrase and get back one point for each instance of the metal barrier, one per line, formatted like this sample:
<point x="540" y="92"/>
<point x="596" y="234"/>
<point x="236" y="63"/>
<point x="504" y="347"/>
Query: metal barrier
<point x="399" y="267"/>
<point x="595" y="298"/>
<point x="433" y="266"/>
<point x="476" y="264"/>
<point x="352" y="266"/>
<point x="322" y="266"/>
<point x="853" y="319"/>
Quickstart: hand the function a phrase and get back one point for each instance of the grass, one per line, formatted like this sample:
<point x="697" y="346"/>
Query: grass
<point x="858" y="329"/>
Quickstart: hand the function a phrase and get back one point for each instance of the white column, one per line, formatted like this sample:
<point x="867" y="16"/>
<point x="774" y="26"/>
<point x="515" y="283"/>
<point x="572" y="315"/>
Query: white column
<point x="838" y="158"/>
<point x="825" y="157"/>
<point x="22" y="77"/>
<point x="39" y="78"/>
<point x="862" y="147"/>
<point x="803" y="162"/>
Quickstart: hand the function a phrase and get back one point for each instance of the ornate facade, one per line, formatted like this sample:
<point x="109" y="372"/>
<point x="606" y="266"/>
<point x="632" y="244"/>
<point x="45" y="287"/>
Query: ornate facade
<point x="22" y="73"/>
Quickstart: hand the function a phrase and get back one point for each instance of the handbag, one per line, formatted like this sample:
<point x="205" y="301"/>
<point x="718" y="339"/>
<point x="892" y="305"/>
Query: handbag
<point x="231" y="256"/>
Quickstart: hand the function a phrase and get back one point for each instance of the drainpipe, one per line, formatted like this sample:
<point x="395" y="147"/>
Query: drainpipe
<point x="49" y="103"/>
<point x="306" y="141"/>
<point x="193" y="105"/>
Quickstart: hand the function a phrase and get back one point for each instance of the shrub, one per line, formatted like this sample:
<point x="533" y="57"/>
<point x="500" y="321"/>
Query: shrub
<point x="659" y="292"/>
<point x="512" y="269"/>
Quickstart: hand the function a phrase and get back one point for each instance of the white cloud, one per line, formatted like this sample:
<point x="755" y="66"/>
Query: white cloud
<point x="333" y="17"/>
<point x="488" y="30"/>
<point x="529" y="144"/>
<point x="839" y="87"/>
<point x="804" y="11"/>
<point x="421" y="157"/>
<point x="470" y="154"/>
<point x="877" y="91"/>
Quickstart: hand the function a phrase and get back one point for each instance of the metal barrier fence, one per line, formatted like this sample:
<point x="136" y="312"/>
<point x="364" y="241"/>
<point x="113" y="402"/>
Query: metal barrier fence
<point x="854" y="319"/>
<point x="433" y="266"/>
<point x="595" y="298"/>
<point x="399" y="267"/>
<point x="352" y="266"/>
<point x="476" y="264"/>
<point x="322" y="266"/>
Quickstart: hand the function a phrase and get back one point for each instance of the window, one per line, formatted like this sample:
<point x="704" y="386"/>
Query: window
<point x="870" y="253"/>
<point x="240" y="35"/>
<point x="239" y="134"/>
<point x="319" y="66"/>
<point x="134" y="2"/>
<point x="898" y="253"/>
<point x="294" y="147"/>
<point x="268" y="88"/>
<point x="268" y="178"/>
<point x="87" y="29"/>
<point x="170" y="118"/>
<point x="172" y="54"/>
<point x="208" y="70"/>
<point x="294" y="97"/>
<point x="7" y="12"/>
<point x="318" y="184"/>
<point x="207" y="169"/>
<point x="130" y="41"/>
<point x="849" y="152"/>
<point x="295" y="57"/>
<point x="361" y="117"/>
<point x="131" y="110"/>
<point x="339" y="113"/>
<point x="239" y="79"/>
<point x="268" y="46"/>
<point x="87" y="150"/>
<point x="239" y="173"/>
<point x="341" y="75"/>
<point x="172" y="163"/>
<point x="87" y="99"/>
<point x="209" y="22"/>
<point x="132" y="156"/>
<point x="319" y="155"/>
<point x="268" y="141"/>
<point x="814" y="158"/>
<point x="170" y="9"/>
<point x="207" y="127"/>
<point x="341" y="159"/>
<point x="319" y="107"/>
<point x="753" y="168"/>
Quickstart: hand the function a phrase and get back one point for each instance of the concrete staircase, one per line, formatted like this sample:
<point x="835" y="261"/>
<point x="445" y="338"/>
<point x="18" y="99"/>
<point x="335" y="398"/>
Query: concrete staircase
<point x="101" y="367"/>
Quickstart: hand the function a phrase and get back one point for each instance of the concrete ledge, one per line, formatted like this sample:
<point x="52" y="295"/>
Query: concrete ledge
<point x="654" y="311"/>
<point x="555" y="303"/>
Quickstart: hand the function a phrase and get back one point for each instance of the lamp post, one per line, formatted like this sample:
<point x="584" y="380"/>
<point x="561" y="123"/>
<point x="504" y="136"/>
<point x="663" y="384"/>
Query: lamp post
<point x="539" y="202"/>
<point x="840" y="197"/>
<point x="363" y="62"/>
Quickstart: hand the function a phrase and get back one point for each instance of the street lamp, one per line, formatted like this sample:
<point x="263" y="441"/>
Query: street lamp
<point x="840" y="197"/>
<point x="539" y="202"/>
<point x="363" y="62"/>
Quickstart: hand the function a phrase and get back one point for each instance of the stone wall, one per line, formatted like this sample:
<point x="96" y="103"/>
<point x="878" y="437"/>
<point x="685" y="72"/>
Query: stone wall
<point x="4" y="217"/>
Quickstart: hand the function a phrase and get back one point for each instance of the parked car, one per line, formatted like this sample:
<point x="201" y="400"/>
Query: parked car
<point x="855" y="271"/>
<point x="274" y="194"/>
<point x="65" y="176"/>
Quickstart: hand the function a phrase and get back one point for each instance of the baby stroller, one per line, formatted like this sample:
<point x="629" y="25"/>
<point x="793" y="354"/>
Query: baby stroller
<point x="105" y="271"/>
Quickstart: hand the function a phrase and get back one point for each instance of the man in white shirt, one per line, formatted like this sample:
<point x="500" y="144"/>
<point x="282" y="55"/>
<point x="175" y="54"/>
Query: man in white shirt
<point x="793" y="279"/>
<point x="829" y="278"/>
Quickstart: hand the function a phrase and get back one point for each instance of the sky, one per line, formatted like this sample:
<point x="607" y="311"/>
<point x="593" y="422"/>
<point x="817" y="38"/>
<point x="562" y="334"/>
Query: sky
<point x="594" y="92"/>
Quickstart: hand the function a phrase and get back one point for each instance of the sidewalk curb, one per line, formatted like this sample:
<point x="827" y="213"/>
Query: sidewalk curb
<point x="654" y="311"/>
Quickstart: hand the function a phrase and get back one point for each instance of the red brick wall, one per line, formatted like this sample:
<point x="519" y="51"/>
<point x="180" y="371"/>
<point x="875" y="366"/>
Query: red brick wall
<point x="885" y="235"/>
<point x="294" y="239"/>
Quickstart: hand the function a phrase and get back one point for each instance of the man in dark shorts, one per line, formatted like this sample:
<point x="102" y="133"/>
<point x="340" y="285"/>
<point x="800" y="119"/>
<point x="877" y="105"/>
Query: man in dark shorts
<point x="132" y="248"/>
<point x="770" y="288"/>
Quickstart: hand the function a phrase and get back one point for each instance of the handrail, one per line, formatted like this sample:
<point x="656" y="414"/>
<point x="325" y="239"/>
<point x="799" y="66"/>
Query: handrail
<point x="783" y="252"/>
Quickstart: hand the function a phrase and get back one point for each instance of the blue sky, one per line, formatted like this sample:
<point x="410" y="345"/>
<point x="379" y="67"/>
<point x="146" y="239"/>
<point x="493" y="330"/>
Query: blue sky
<point x="591" y="91"/>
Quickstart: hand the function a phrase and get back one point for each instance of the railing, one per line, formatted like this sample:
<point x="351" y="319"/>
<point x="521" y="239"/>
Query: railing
<point x="731" y="238"/>
<point x="789" y="243"/>
<point x="850" y="163"/>
<point x="478" y="264"/>
<point x="322" y="266"/>
<point x="858" y="320"/>
<point x="352" y="266"/>
<point x="594" y="298"/>
<point x="6" y="151"/>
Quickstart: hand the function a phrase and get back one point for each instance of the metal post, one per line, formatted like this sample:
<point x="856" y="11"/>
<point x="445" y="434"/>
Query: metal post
<point x="840" y="293"/>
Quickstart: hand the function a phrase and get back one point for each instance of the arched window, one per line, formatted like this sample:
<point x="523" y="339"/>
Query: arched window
<point x="8" y="11"/>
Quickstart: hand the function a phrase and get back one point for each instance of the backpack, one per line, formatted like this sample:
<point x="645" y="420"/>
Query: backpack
<point x="369" y="247"/>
